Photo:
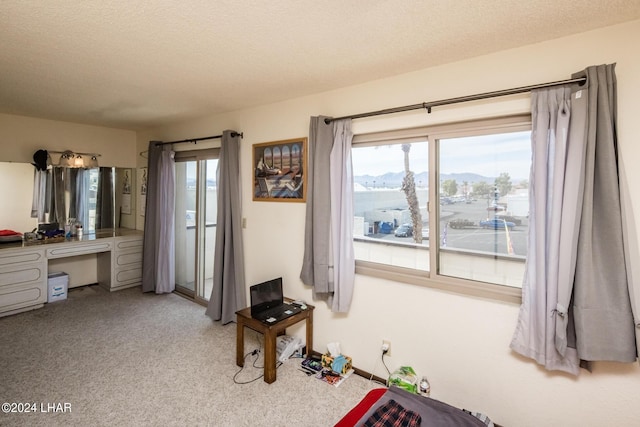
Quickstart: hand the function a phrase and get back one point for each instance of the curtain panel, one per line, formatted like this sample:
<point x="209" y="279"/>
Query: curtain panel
<point x="57" y="206"/>
<point x="329" y="263"/>
<point x="604" y="323"/>
<point x="228" y="294"/>
<point x="158" y="255"/>
<point x="341" y="171"/>
<point x="104" y="197"/>
<point x="535" y="330"/>
<point x="575" y="296"/>
<point x="39" y="203"/>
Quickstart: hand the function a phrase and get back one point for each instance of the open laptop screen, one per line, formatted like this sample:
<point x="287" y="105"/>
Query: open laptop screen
<point x="266" y="295"/>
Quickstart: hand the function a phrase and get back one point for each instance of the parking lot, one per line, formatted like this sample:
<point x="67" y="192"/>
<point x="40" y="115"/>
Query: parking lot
<point x="472" y="237"/>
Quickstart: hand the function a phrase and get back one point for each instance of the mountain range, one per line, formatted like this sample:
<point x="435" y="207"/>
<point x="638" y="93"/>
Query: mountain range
<point x="394" y="179"/>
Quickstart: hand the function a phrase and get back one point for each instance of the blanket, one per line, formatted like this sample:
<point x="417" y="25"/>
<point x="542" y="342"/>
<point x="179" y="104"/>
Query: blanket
<point x="433" y="412"/>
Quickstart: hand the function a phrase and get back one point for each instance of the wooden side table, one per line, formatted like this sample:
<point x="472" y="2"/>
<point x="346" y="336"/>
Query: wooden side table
<point x="270" y="333"/>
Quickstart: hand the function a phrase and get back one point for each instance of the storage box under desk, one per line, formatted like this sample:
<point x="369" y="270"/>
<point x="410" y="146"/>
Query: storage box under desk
<point x="57" y="286"/>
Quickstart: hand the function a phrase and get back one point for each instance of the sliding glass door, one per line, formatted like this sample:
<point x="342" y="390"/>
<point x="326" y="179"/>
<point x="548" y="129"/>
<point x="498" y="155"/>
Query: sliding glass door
<point x="196" y="212"/>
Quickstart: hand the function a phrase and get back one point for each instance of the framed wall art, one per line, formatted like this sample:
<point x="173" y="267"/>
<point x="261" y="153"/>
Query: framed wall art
<point x="279" y="171"/>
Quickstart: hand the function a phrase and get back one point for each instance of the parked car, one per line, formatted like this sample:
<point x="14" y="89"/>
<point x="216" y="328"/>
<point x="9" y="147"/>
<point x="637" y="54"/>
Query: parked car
<point x="461" y="223"/>
<point x="425" y="233"/>
<point x="446" y="201"/>
<point x="405" y="230"/>
<point x="497" y="224"/>
<point x="509" y="218"/>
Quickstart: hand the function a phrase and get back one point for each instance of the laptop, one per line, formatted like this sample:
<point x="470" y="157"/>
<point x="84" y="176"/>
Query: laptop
<point x="267" y="302"/>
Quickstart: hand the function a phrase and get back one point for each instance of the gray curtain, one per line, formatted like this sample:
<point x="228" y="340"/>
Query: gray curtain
<point x="104" y="199"/>
<point x="342" y="217"/>
<point x="316" y="262"/>
<point x="602" y="308"/>
<point x="535" y="331"/>
<point x="575" y="295"/>
<point x="82" y="198"/>
<point x="158" y="259"/>
<point x="323" y="221"/>
<point x="57" y="206"/>
<point x="78" y="197"/>
<point x="228" y="294"/>
<point x="73" y="193"/>
<point x="39" y="206"/>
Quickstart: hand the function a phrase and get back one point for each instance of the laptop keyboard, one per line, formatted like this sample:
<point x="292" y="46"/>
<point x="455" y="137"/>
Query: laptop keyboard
<point x="277" y="313"/>
<point x="272" y="312"/>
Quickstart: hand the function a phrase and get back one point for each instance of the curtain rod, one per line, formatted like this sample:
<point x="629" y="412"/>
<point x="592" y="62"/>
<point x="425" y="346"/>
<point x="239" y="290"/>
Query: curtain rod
<point x="194" y="140"/>
<point x="428" y="105"/>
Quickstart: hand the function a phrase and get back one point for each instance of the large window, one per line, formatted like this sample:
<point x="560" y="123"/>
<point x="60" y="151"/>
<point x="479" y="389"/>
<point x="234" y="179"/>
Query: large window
<point x="445" y="206"/>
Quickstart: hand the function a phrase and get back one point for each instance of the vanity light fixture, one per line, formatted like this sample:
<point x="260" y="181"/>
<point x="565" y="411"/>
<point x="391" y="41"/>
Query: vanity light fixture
<point x="66" y="159"/>
<point x="71" y="159"/>
<point x="92" y="162"/>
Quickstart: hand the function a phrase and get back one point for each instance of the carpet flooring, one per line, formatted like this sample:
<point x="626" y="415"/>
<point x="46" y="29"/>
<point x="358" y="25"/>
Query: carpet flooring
<point x="132" y="359"/>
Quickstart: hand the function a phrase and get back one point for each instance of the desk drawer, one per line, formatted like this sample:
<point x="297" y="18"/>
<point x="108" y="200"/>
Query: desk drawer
<point x="20" y="274"/>
<point x="133" y="274"/>
<point x="126" y="259"/>
<point x="17" y="297"/>
<point x="23" y="280"/>
<point x="136" y="243"/>
<point x="62" y="250"/>
<point x="20" y="257"/>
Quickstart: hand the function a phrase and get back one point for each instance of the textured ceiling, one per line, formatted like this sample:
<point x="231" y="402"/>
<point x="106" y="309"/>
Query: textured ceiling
<point x="140" y="64"/>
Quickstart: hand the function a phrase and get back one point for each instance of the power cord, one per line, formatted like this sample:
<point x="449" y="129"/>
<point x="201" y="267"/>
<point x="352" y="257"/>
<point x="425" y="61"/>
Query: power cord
<point x="255" y="353"/>
<point x="376" y="365"/>
<point x="251" y="353"/>
<point x="385" y="365"/>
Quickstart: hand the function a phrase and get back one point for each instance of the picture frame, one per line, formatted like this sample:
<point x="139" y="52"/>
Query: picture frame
<point x="279" y="171"/>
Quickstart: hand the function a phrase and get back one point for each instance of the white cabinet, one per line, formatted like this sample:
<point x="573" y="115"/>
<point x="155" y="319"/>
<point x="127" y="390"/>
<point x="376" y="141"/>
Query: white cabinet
<point x="125" y="264"/>
<point x="23" y="270"/>
<point x="23" y="280"/>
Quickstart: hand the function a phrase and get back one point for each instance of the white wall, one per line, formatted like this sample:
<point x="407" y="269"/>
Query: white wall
<point x="21" y="136"/>
<point x="461" y="343"/>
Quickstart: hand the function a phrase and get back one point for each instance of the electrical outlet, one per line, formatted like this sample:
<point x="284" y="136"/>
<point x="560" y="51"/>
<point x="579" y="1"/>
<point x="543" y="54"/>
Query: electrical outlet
<point x="386" y="347"/>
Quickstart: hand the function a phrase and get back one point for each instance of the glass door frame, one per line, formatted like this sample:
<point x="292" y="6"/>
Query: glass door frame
<point x="201" y="158"/>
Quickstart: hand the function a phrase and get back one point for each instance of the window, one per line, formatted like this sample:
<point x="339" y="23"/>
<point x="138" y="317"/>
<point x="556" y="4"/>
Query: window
<point x="445" y="206"/>
<point x="383" y="225"/>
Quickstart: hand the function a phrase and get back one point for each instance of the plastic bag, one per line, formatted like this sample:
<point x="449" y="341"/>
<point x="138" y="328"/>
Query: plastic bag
<point x="287" y="345"/>
<point x="405" y="377"/>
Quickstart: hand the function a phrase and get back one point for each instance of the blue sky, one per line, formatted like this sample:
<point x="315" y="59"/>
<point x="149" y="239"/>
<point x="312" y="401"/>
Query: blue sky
<point x="484" y="155"/>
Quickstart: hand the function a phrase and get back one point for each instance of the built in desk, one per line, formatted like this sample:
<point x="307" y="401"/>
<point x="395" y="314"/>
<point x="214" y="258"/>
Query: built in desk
<point x="270" y="332"/>
<point x="24" y="265"/>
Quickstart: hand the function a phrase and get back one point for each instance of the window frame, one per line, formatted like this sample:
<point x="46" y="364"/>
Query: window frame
<point x="433" y="134"/>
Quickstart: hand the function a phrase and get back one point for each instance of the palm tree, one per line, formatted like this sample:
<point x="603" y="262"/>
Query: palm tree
<point x="409" y="188"/>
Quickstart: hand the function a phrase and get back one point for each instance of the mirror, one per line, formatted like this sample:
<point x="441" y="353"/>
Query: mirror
<point x="98" y="198"/>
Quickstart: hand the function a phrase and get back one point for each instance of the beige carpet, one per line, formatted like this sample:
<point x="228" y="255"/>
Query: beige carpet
<point x="132" y="359"/>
